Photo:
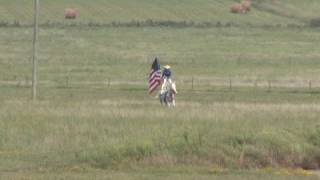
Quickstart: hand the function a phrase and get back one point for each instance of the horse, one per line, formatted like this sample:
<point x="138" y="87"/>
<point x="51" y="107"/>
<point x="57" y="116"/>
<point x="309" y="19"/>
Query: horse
<point x="167" y="96"/>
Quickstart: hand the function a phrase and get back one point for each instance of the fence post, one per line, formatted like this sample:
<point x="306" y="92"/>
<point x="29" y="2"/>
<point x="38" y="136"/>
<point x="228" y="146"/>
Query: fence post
<point x="192" y="83"/>
<point x="269" y="85"/>
<point x="27" y="81"/>
<point x="230" y="84"/>
<point x="19" y="83"/>
<point x="310" y="85"/>
<point x="67" y="81"/>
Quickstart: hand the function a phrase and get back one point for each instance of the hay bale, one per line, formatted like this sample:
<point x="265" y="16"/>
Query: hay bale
<point x="237" y="8"/>
<point x="241" y="8"/>
<point x="246" y="5"/>
<point x="70" y="13"/>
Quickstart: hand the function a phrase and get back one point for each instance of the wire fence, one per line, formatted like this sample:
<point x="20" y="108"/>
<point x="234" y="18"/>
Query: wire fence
<point x="192" y="84"/>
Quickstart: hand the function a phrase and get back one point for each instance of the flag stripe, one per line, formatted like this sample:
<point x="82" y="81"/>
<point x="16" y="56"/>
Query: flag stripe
<point x="156" y="81"/>
<point x="154" y="86"/>
<point x="155" y="76"/>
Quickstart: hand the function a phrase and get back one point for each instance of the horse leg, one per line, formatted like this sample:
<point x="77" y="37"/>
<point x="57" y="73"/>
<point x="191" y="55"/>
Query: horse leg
<point x="169" y="103"/>
<point x="161" y="98"/>
<point x="173" y="100"/>
<point x="165" y="99"/>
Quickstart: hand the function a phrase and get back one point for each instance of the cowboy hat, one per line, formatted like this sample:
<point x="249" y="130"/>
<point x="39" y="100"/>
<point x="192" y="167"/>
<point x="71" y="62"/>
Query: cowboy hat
<point x="167" y="67"/>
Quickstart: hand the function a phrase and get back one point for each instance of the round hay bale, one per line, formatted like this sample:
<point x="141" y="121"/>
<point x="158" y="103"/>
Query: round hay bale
<point x="70" y="13"/>
<point x="236" y="8"/>
<point x="246" y="5"/>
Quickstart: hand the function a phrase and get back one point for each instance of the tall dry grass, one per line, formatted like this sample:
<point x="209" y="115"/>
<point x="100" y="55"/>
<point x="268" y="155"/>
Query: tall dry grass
<point x="108" y="133"/>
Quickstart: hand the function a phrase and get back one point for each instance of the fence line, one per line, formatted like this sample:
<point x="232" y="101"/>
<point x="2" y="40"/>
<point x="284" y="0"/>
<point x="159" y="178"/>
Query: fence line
<point x="192" y="84"/>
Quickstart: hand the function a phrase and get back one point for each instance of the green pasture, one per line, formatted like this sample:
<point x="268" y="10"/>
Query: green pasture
<point x="125" y="54"/>
<point x="247" y="108"/>
<point x="102" y="11"/>
<point x="119" y="132"/>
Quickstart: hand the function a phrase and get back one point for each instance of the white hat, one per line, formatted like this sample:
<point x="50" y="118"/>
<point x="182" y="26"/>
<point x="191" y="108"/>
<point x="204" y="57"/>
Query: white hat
<point x="167" y="67"/>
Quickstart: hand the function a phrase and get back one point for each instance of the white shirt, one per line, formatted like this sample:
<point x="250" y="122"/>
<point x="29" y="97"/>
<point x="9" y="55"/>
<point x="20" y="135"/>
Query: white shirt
<point x="165" y="85"/>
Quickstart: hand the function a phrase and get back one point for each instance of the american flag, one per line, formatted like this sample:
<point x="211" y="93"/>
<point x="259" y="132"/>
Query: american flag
<point x="155" y="76"/>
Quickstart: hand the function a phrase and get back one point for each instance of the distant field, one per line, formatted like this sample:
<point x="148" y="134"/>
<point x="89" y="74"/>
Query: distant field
<point x="102" y="11"/>
<point x="248" y="99"/>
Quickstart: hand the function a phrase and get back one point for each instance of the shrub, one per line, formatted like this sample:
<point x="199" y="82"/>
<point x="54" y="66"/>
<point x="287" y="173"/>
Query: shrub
<point x="315" y="22"/>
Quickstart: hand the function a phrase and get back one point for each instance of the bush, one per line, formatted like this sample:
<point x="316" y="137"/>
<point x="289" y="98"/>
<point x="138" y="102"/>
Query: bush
<point x="315" y="22"/>
<point x="315" y="137"/>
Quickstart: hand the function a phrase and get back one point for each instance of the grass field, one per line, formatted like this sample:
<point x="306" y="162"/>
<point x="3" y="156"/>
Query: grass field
<point x="113" y="132"/>
<point x="265" y="12"/>
<point x="98" y="54"/>
<point x="251" y="112"/>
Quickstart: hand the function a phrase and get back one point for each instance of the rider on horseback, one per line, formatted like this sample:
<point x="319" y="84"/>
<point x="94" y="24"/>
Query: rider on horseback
<point x="166" y="83"/>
